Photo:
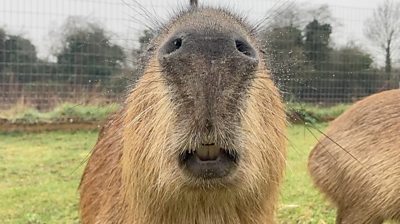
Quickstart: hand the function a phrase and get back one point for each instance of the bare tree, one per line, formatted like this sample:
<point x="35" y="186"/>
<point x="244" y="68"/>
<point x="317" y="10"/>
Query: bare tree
<point x="383" y="30"/>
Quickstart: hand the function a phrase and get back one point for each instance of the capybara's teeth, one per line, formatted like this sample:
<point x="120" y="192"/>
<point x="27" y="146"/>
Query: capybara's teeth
<point x="213" y="152"/>
<point x="208" y="152"/>
<point x="202" y="153"/>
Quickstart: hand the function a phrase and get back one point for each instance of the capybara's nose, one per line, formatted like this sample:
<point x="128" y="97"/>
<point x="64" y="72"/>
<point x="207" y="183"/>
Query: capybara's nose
<point x="210" y="45"/>
<point x="209" y="71"/>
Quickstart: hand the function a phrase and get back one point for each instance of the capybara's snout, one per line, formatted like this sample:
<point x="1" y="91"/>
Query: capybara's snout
<point x="209" y="70"/>
<point x="212" y="44"/>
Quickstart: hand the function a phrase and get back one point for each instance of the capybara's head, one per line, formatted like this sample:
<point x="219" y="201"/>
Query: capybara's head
<point x="205" y="120"/>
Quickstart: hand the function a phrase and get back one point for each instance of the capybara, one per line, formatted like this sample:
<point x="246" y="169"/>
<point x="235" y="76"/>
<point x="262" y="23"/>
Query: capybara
<point x="357" y="164"/>
<point x="200" y="137"/>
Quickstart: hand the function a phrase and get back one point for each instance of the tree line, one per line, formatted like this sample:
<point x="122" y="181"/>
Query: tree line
<point x="301" y="55"/>
<point x="306" y="62"/>
<point x="85" y="55"/>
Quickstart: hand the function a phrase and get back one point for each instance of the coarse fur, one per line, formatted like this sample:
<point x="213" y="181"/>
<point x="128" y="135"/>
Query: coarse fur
<point x="133" y="175"/>
<point x="366" y="188"/>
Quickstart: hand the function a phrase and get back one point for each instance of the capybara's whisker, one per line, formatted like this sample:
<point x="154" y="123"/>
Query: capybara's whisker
<point x="141" y="10"/>
<point x="276" y="9"/>
<point x="312" y="133"/>
<point x="336" y="143"/>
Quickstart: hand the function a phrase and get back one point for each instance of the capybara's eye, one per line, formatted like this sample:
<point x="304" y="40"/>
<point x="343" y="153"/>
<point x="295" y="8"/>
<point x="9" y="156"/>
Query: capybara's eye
<point x="244" y="48"/>
<point x="173" y="45"/>
<point x="178" y="43"/>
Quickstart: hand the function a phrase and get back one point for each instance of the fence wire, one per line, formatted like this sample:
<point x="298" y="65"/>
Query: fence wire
<point x="56" y="51"/>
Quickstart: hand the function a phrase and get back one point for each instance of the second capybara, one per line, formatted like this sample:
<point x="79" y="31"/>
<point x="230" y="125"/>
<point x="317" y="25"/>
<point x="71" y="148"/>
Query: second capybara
<point x="357" y="164"/>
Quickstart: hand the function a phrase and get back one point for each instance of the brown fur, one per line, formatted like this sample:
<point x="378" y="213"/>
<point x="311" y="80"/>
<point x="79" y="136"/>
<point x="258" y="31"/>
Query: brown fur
<point x="367" y="190"/>
<point x="133" y="175"/>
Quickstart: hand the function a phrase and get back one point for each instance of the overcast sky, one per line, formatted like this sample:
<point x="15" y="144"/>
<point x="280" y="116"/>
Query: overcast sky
<point x="40" y="20"/>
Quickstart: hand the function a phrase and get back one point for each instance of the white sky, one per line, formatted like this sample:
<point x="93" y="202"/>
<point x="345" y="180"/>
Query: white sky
<point x="39" y="20"/>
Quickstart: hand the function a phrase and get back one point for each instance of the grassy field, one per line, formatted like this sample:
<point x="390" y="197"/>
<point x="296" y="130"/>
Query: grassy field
<point x="39" y="176"/>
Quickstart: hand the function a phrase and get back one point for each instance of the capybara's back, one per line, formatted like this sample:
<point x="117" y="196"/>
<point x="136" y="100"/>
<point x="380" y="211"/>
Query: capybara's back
<point x="357" y="164"/>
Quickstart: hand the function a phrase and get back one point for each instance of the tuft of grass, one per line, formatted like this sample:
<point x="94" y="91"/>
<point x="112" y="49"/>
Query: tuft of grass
<point x="40" y="174"/>
<point x="83" y="113"/>
<point x="66" y="112"/>
<point x="313" y="113"/>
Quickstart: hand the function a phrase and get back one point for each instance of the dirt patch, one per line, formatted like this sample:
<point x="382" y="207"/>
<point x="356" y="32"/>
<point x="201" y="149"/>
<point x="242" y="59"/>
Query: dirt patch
<point x="6" y="126"/>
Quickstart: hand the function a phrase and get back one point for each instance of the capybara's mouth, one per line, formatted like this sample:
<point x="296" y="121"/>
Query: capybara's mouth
<point x="209" y="161"/>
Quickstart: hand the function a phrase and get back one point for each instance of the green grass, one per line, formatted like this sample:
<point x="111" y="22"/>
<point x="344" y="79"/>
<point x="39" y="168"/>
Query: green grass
<point x="300" y="202"/>
<point x="69" y="112"/>
<point x="314" y="113"/>
<point x="39" y="176"/>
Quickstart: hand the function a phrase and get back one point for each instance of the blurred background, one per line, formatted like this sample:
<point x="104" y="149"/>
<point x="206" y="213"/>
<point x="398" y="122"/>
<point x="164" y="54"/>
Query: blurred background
<point x="87" y="51"/>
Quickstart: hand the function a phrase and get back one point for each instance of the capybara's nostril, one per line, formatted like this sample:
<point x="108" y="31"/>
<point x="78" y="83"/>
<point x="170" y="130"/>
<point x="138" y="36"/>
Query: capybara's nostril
<point x="245" y="48"/>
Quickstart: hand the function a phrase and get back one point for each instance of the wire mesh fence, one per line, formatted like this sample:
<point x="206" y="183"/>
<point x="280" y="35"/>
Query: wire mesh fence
<point x="55" y="51"/>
